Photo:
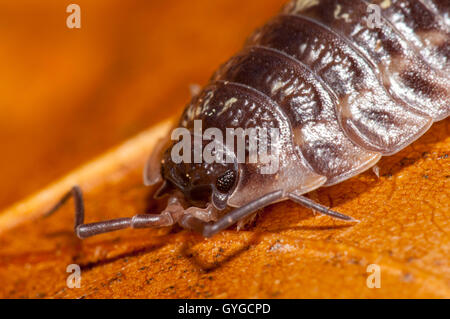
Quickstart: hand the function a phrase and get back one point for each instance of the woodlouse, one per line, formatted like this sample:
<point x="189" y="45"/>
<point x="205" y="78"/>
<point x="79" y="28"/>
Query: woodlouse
<point x="343" y="94"/>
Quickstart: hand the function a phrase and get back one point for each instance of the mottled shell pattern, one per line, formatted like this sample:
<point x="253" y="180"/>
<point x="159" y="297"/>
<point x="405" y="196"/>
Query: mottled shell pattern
<point x="342" y="91"/>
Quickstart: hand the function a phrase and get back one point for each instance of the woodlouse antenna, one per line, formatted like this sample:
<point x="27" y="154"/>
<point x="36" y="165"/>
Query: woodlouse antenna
<point x="309" y="203"/>
<point x="175" y="213"/>
<point x="166" y="218"/>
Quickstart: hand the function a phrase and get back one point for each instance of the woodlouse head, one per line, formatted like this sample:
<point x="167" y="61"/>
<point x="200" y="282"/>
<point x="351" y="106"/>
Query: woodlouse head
<point x="201" y="183"/>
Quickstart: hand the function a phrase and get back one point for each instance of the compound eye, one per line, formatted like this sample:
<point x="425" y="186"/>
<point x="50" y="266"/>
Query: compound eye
<point x="226" y="181"/>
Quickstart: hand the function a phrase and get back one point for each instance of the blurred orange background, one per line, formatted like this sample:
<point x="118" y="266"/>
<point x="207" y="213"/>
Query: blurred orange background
<point x="67" y="95"/>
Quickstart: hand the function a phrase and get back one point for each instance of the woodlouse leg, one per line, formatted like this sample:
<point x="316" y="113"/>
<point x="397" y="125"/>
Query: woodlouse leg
<point x="152" y="169"/>
<point x="167" y="218"/>
<point x="309" y="203"/>
<point x="195" y="89"/>
<point x="209" y="229"/>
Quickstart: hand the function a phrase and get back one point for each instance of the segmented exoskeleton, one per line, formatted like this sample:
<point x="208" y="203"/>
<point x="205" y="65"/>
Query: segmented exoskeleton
<point x="344" y="81"/>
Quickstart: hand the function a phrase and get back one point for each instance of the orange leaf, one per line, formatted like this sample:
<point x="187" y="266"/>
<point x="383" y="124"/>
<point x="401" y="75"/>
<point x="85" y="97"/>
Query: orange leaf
<point x="130" y="77"/>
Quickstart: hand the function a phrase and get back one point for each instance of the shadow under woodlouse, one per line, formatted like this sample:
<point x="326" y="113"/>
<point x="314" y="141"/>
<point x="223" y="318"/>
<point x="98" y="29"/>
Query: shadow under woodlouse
<point x="220" y="258"/>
